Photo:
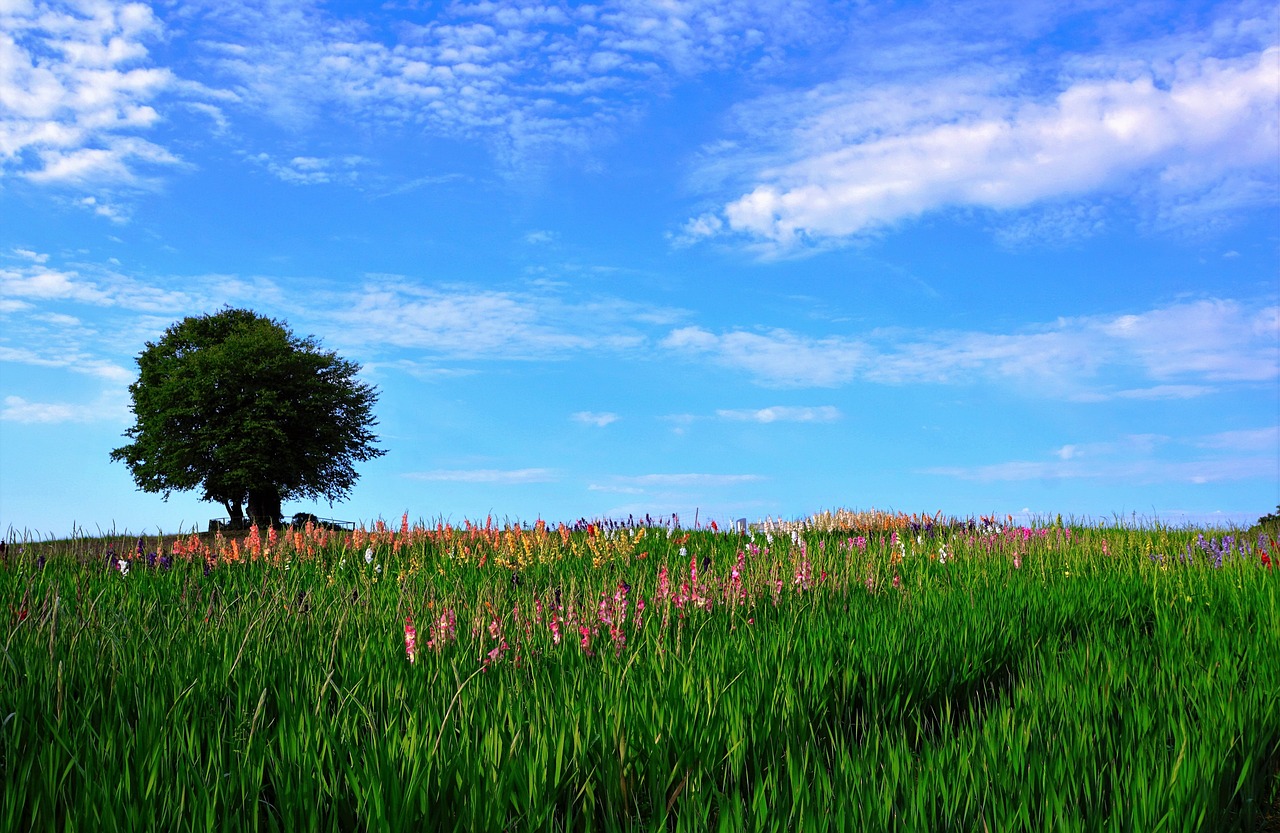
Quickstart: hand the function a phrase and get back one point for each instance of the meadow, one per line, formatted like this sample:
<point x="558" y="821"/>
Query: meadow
<point x="854" y="671"/>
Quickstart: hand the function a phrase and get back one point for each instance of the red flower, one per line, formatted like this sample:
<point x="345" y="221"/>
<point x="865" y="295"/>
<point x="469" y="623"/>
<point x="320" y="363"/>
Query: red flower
<point x="1266" y="559"/>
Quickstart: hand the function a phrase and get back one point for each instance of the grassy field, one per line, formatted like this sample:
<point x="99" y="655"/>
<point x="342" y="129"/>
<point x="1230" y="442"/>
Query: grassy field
<point x="862" y="671"/>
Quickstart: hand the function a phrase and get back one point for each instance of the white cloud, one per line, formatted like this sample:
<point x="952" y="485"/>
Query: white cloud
<point x="616" y="488"/>
<point x="500" y="476"/>
<point x="69" y="357"/>
<point x="40" y="283"/>
<point x="1127" y="471"/>
<point x="854" y="157"/>
<point x="28" y="254"/>
<point x="598" y="419"/>
<point x="540" y="237"/>
<point x="776" y="357"/>
<point x="1257" y="439"/>
<point x="1164" y="392"/>
<point x="1248" y="453"/>
<point x="95" y="286"/>
<point x="1182" y="347"/>
<point x="685" y="481"/>
<point x="783" y="413"/>
<point x="107" y="409"/>
<point x="314" y="170"/>
<point x="1133" y="443"/>
<point x="524" y="77"/>
<point x="75" y="91"/>
<point x="472" y="323"/>
<point x="104" y="208"/>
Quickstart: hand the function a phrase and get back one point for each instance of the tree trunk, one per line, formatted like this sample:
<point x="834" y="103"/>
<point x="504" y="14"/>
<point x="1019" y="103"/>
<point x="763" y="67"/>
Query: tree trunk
<point x="235" y="512"/>
<point x="264" y="507"/>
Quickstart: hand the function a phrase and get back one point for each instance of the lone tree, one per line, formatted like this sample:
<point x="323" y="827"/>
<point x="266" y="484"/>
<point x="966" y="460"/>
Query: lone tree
<point x="237" y="406"/>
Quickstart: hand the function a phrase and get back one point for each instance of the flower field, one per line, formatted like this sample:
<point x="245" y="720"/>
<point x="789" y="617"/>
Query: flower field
<point x="859" y="671"/>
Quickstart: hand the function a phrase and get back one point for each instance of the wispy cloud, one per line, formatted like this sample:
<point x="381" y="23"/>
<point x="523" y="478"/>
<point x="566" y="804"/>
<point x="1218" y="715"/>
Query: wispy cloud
<point x="107" y="409"/>
<point x="524" y="78"/>
<point x="1116" y="471"/>
<point x="1163" y="392"/>
<point x="783" y="413"/>
<point x="76" y="89"/>
<point x="34" y="280"/>
<point x="313" y="170"/>
<point x="465" y="322"/>
<point x="677" y="481"/>
<point x="776" y="357"/>
<point x="598" y="419"/>
<point x="28" y="254"/>
<point x="1175" y="122"/>
<point x="1256" y="439"/>
<point x="492" y="476"/>
<point x="69" y="357"/>
<point x="1182" y="350"/>
<point x="1143" y="459"/>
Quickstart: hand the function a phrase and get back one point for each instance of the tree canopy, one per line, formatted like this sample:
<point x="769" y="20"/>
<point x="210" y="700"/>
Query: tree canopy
<point x="235" y="405"/>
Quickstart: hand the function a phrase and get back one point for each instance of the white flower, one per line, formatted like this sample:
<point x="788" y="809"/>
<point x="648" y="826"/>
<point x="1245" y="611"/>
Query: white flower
<point x="368" y="556"/>
<point x="123" y="565"/>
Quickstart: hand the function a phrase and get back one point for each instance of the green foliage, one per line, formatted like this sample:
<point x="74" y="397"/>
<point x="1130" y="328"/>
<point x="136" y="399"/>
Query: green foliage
<point x="1100" y="684"/>
<point x="235" y="405"/>
<point x="1268" y="523"/>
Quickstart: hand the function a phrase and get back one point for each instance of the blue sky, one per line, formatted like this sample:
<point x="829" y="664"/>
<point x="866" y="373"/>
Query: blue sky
<point x="749" y="259"/>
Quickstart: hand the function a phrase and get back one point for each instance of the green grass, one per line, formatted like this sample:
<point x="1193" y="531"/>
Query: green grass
<point x="1089" y="688"/>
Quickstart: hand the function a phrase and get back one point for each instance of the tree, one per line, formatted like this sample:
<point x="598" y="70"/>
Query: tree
<point x="237" y="406"/>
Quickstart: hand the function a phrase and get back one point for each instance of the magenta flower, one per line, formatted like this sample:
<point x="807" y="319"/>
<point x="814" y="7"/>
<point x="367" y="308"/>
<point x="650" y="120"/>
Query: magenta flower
<point x="410" y="639"/>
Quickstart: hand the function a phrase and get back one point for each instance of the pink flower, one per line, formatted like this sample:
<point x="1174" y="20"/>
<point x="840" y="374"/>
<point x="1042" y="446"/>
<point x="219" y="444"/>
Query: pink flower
<point x="804" y="574"/>
<point x="410" y="639"/>
<point x="445" y="630"/>
<point x="496" y="653"/>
